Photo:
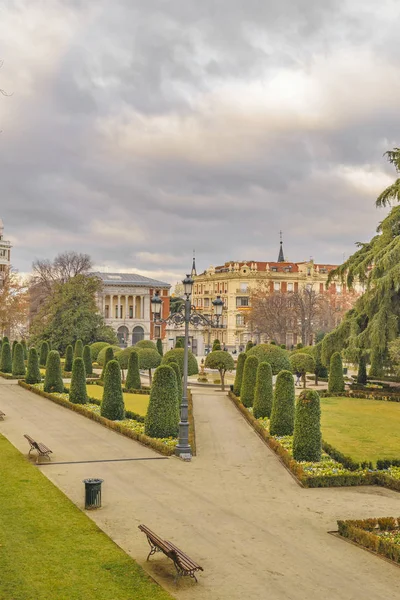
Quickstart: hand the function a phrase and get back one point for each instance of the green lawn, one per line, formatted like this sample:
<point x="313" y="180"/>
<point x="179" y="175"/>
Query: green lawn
<point x="366" y="430"/>
<point x="137" y="403"/>
<point x="50" y="550"/>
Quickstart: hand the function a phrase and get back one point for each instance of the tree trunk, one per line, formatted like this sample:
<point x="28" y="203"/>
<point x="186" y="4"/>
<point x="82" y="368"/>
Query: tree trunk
<point x="222" y="376"/>
<point x="150" y="380"/>
<point x="304" y="380"/>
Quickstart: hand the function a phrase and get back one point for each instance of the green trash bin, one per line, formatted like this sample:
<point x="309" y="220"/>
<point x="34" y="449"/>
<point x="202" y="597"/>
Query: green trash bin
<point x="92" y="493"/>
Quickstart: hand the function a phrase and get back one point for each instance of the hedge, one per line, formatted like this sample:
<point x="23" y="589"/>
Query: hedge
<point x="239" y="373"/>
<point x="108" y="355"/>
<point x="78" y="349"/>
<point x="102" y="354"/>
<point x="112" y="405"/>
<point x="159" y="347"/>
<point x="133" y="375"/>
<point x="249" y="381"/>
<point x="6" y="359"/>
<point x="18" y="363"/>
<point x="275" y="356"/>
<point x="362" y="370"/>
<point x="33" y="374"/>
<point x="162" y="419"/>
<point x="96" y="347"/>
<point x="179" y="381"/>
<point x="307" y="428"/>
<point x="264" y="391"/>
<point x="365" y="533"/>
<point x="77" y="390"/>
<point x="336" y="381"/>
<point x="145" y="344"/>
<point x="216" y="345"/>
<point x="282" y="413"/>
<point x="69" y="359"/>
<point x="176" y="355"/>
<point x="53" y="379"/>
<point x="44" y="352"/>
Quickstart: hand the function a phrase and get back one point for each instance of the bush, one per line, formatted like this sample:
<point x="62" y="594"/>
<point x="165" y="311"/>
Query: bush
<point x="53" y="380"/>
<point x="87" y="359"/>
<point x="249" y="381"/>
<point x="112" y="405"/>
<point x="44" y="353"/>
<point x="78" y="349"/>
<point x="179" y="343"/>
<point x="321" y="372"/>
<point x="145" y="344"/>
<point x="249" y="345"/>
<point x="239" y="373"/>
<point x="77" y="390"/>
<point x="25" y="348"/>
<point x="148" y="359"/>
<point x="123" y="356"/>
<point x="307" y="428"/>
<point x="69" y="358"/>
<point x="362" y="370"/>
<point x="162" y="419"/>
<point x="222" y="361"/>
<point x="33" y="370"/>
<point x="108" y="355"/>
<point x="179" y="382"/>
<point x="159" y="347"/>
<point x="18" y="364"/>
<point x="336" y="381"/>
<point x="376" y="369"/>
<point x="6" y="360"/>
<point x="275" y="356"/>
<point x="96" y="347"/>
<point x="13" y="348"/>
<point x="264" y="391"/>
<point x="282" y="413"/>
<point x="102" y="354"/>
<point x="216" y="345"/>
<point x="302" y="363"/>
<point x="133" y="376"/>
<point x="176" y="355"/>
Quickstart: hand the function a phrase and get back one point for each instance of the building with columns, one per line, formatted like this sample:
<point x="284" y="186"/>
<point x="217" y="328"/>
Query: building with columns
<point x="5" y="255"/>
<point x="124" y="302"/>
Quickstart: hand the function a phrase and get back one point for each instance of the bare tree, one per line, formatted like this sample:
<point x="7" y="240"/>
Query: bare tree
<point x="272" y="314"/>
<point x="306" y="306"/>
<point x="13" y="305"/>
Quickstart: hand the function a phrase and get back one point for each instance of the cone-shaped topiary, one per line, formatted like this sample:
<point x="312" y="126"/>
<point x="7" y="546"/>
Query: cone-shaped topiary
<point x="133" y="376"/>
<point x="33" y="370"/>
<point x="78" y="349"/>
<point x="69" y="357"/>
<point x="44" y="353"/>
<point x="101" y="357"/>
<point x="282" y="413"/>
<point x="249" y="381"/>
<point x="179" y="343"/>
<point x="5" y="339"/>
<point x="13" y="348"/>
<point x="6" y="360"/>
<point x="263" y="395"/>
<point x="239" y="373"/>
<point x="77" y="390"/>
<point x="18" y="364"/>
<point x="87" y="359"/>
<point x="336" y="381"/>
<point x="362" y="370"/>
<point x="112" y="405"/>
<point x="216" y="345"/>
<point x="25" y="348"/>
<point x="307" y="428"/>
<point x="162" y="419"/>
<point x="179" y="382"/>
<point x="249" y="345"/>
<point x="376" y="368"/>
<point x="53" y="379"/>
<point x="109" y="355"/>
<point x="159" y="347"/>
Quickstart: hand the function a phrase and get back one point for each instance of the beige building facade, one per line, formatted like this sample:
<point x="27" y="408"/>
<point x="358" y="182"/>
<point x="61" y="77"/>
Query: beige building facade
<point x="5" y="255"/>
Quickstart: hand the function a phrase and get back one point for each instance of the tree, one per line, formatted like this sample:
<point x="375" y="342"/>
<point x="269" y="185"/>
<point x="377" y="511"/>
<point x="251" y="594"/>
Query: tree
<point x="112" y="404"/>
<point x="216" y="345"/>
<point x="377" y="362"/>
<point x="145" y="344"/>
<point x="77" y="390"/>
<point x="249" y="345"/>
<point x="249" y="381"/>
<point x="148" y="359"/>
<point x="53" y="379"/>
<point x="25" y="349"/>
<point x="108" y="355"/>
<point x="307" y="439"/>
<point x="239" y="373"/>
<point x="6" y="359"/>
<point x="159" y="347"/>
<point x="15" y="342"/>
<point x="18" y="364"/>
<point x="222" y="361"/>
<point x="178" y="375"/>
<point x="177" y="355"/>
<point x="272" y="314"/>
<point x="275" y="356"/>
<point x="78" y="349"/>
<point x="14" y="300"/>
<point x="33" y="370"/>
<point x="336" y="381"/>
<point x="62" y="269"/>
<point x="320" y="368"/>
<point x="162" y="419"/>
<point x="87" y="359"/>
<point x="44" y="353"/>
<point x="263" y="395"/>
<point x="283" y="404"/>
<point x="133" y="376"/>
<point x="69" y="357"/>
<point x="362" y="370"/>
<point x="96" y="347"/>
<point x="302" y="363"/>
<point x="394" y="353"/>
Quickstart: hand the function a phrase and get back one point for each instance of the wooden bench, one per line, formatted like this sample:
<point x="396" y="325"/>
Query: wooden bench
<point x="184" y="565"/>
<point x="40" y="448"/>
<point x="2" y="415"/>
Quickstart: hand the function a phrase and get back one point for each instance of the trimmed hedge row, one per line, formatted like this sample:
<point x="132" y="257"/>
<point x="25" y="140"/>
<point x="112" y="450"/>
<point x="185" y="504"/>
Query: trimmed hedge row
<point x="370" y="395"/>
<point x="364" y="532"/>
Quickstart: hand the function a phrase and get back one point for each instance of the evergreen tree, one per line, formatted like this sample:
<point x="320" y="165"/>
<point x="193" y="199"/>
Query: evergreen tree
<point x="159" y="347"/>
<point x="6" y="359"/>
<point x="307" y="428"/>
<point x="376" y="369"/>
<point x="77" y="390"/>
<point x="320" y="368"/>
<point x="162" y="419"/>
<point x="216" y="345"/>
<point x="25" y="348"/>
<point x="112" y="405"/>
<point x="69" y="357"/>
<point x="133" y="376"/>
<point x="87" y="359"/>
<point x="362" y="370"/>
<point x="33" y="370"/>
<point x="44" y="352"/>
<point x="53" y="379"/>
<point x="249" y="345"/>
<point x="179" y="382"/>
<point x="78" y="349"/>
<point x="179" y="343"/>
<point x="13" y="348"/>
<point x="282" y="413"/>
<point x="239" y="373"/>
<point x="264" y="391"/>
<point x="18" y="364"/>
<point x="249" y="381"/>
<point x="109" y="355"/>
<point x="336" y="381"/>
<point x="5" y="339"/>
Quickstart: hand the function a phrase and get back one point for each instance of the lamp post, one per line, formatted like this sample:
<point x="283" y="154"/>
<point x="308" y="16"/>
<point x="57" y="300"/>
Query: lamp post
<point x="186" y="314"/>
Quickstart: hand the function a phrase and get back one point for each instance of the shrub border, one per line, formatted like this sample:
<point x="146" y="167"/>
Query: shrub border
<point x="361" y="533"/>
<point x="373" y="395"/>
<point x="9" y="375"/>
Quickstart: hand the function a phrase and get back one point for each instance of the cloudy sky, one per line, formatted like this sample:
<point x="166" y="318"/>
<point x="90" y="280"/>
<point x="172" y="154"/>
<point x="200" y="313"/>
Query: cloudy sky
<point x="139" y="130"/>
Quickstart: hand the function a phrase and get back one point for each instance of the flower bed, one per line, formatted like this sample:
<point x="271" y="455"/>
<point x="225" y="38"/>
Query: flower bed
<point x="381" y="536"/>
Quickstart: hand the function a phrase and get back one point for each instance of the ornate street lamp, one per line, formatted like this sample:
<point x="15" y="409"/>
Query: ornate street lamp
<point x="186" y="314"/>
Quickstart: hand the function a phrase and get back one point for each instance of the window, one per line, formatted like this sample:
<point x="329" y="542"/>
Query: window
<point x="290" y="287"/>
<point x="277" y="286"/>
<point x="120" y="311"/>
<point x="242" y="301"/>
<point x="206" y="302"/>
<point x="131" y="312"/>
<point x="106" y="311"/>
<point x="308" y="272"/>
<point x="309" y="287"/>
<point x="239" y="320"/>
<point x="244" y="287"/>
<point x="225" y="300"/>
<point x="116" y="311"/>
<point x="157" y="331"/>
<point x="275" y="269"/>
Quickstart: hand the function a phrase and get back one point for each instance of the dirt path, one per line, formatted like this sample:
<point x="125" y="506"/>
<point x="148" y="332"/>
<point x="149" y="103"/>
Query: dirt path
<point x="234" y="508"/>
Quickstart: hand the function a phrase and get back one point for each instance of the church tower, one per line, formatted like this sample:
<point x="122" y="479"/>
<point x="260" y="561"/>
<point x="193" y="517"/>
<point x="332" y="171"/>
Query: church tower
<point x="281" y="257"/>
<point x="5" y="255"/>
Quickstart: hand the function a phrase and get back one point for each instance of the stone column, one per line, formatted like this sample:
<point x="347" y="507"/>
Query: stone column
<point x="142" y="307"/>
<point x="110" y="307"/>
<point x="119" y="307"/>
<point x="126" y="306"/>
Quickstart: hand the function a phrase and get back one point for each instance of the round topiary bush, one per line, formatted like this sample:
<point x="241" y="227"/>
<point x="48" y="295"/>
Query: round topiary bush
<point x="96" y="347"/>
<point x="18" y="364"/>
<point x="302" y="363"/>
<point x="102" y="354"/>
<point x="263" y="395"/>
<point x="44" y="353"/>
<point x="179" y="382"/>
<point x="108" y="355"/>
<point x="307" y="438"/>
<point x="239" y="373"/>
<point x="249" y="381"/>
<point x="112" y="405"/>
<point x="223" y="362"/>
<point x="148" y="359"/>
<point x="159" y="347"/>
<point x="6" y="360"/>
<point x="33" y="370"/>
<point x="78" y="349"/>
<point x="162" y="419"/>
<point x="282" y="413"/>
<point x="336" y="381"/>
<point x="275" y="356"/>
<point x="87" y="359"/>
<point x="216" y="345"/>
<point x="176" y="355"/>
<point x="53" y="379"/>
<point x="77" y="390"/>
<point x="133" y="376"/>
<point x="123" y="356"/>
<point x="69" y="358"/>
<point x="249" y="345"/>
<point x="145" y="344"/>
